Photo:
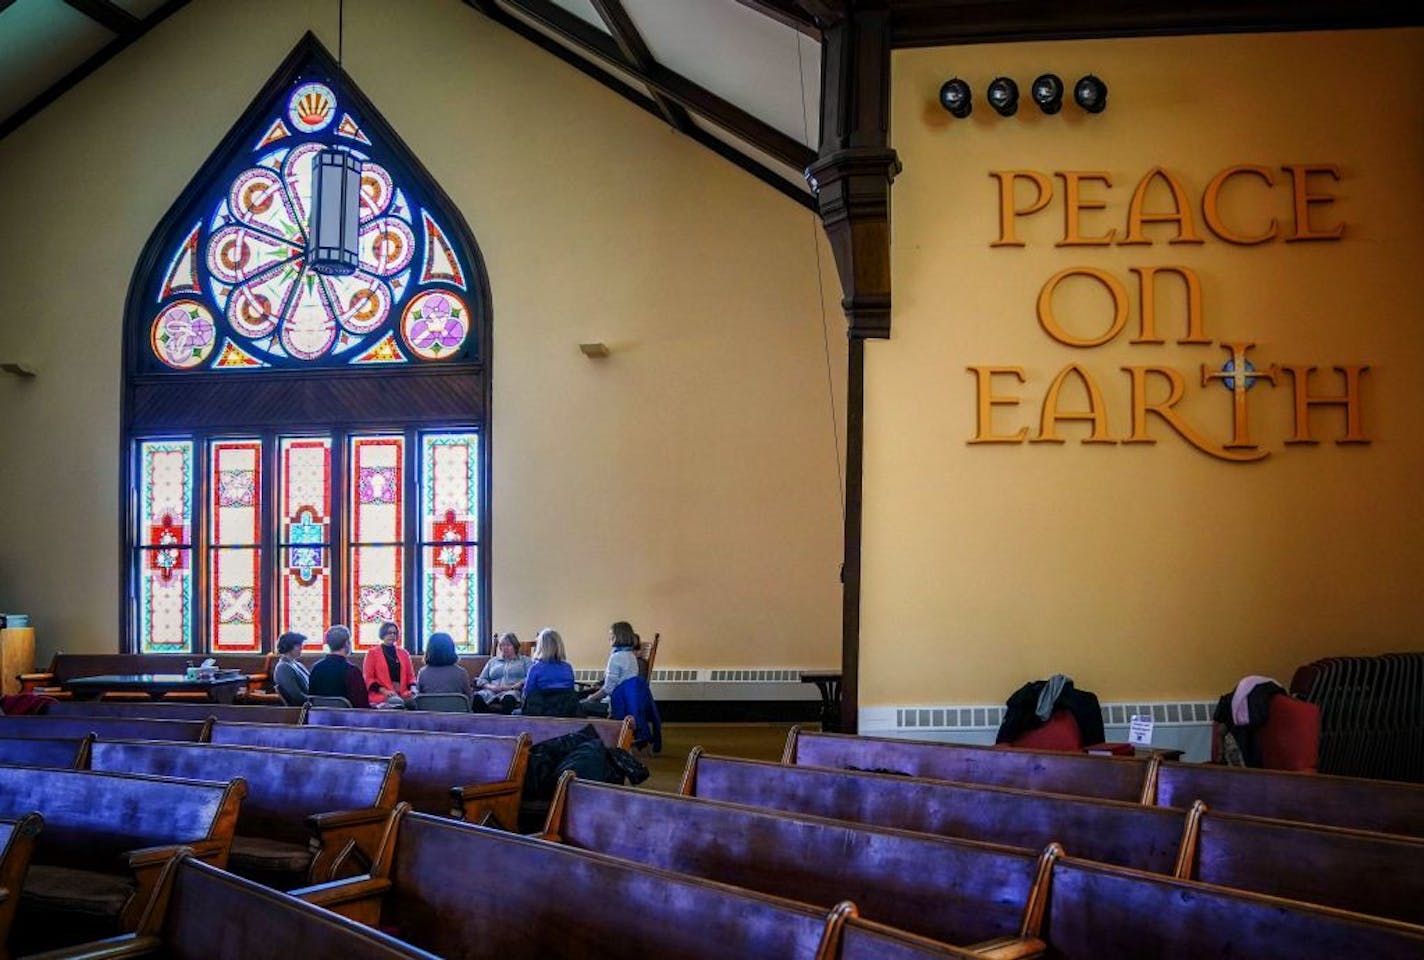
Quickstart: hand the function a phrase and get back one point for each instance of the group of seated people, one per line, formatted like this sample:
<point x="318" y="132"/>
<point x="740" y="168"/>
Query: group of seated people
<point x="510" y="681"/>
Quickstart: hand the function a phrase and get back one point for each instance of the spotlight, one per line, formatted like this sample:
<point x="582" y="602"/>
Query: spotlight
<point x="1091" y="94"/>
<point x="1004" y="96"/>
<point x="956" y="97"/>
<point x="1048" y="93"/>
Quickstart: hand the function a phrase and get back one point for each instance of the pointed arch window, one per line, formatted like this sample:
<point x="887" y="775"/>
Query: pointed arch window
<point x="306" y="449"/>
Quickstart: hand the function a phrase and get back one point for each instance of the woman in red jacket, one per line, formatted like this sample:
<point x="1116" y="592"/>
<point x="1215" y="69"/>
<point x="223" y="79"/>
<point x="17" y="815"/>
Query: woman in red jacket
<point x="387" y="668"/>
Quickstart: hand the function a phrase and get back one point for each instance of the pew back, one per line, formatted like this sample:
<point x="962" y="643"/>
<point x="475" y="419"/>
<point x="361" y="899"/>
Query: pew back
<point x="110" y="728"/>
<point x="953" y="891"/>
<point x="1109" y="913"/>
<point x="1382" y="805"/>
<point x="1373" y="873"/>
<point x="865" y="940"/>
<point x="91" y="818"/>
<point x="17" y="845"/>
<point x="435" y="763"/>
<point x="284" y="786"/>
<point x="66" y="754"/>
<point x="173" y="710"/>
<point x="1107" y="778"/>
<point x="570" y="903"/>
<point x="613" y="733"/>
<point x="1129" y="834"/>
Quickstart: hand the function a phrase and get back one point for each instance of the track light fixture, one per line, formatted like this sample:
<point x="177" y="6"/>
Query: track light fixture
<point x="1048" y="93"/>
<point x="956" y="97"/>
<point x="1004" y="96"/>
<point x="1091" y="94"/>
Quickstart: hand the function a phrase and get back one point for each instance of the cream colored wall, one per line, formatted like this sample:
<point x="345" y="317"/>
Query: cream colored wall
<point x="688" y="483"/>
<point x="1146" y="571"/>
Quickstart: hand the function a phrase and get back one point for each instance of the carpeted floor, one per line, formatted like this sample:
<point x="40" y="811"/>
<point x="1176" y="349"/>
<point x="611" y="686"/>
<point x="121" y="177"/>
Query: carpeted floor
<point x="753" y="741"/>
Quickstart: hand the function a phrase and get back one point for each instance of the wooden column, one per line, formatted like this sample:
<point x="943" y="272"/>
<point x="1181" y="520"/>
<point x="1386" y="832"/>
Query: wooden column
<point x="851" y="178"/>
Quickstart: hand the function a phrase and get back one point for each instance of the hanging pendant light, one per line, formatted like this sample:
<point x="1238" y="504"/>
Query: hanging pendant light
<point x="333" y="235"/>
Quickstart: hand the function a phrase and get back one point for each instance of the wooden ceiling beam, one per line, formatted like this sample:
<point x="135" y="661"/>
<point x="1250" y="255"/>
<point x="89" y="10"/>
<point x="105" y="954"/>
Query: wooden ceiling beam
<point x="636" y="54"/>
<point x="788" y="13"/>
<point x="61" y="86"/>
<point x="674" y="86"/>
<point x="108" y="15"/>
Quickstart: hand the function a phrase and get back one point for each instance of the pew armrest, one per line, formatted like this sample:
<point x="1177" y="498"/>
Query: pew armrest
<point x="114" y="948"/>
<point x="345" y="839"/>
<point x="34" y="682"/>
<point x="498" y="801"/>
<point x="209" y="851"/>
<point x="358" y="899"/>
<point x="1009" y="948"/>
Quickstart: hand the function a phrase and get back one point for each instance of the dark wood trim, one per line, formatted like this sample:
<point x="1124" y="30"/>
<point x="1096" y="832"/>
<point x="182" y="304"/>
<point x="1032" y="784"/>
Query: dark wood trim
<point x="788" y="13"/>
<point x="674" y="86"/>
<point x="850" y="568"/>
<point x="72" y="79"/>
<point x="932" y="23"/>
<point x="108" y="15"/>
<point x="637" y="54"/>
<point x="640" y="100"/>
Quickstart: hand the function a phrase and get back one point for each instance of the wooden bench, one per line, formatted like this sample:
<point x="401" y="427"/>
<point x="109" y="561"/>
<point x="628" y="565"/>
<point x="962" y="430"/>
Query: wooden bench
<point x="1107" y="778"/>
<point x="450" y="774"/>
<point x="308" y="817"/>
<point x="1372" y="873"/>
<point x="104" y="843"/>
<point x="17" y="845"/>
<point x="613" y="733"/>
<point x="554" y="901"/>
<point x="69" y="666"/>
<point x="1385" y="806"/>
<point x="202" y="913"/>
<point x="174" y="710"/>
<point x="1129" y="834"/>
<point x="109" y="728"/>
<point x="952" y="891"/>
<point x="69" y="753"/>
<point x="866" y="940"/>
<point x="1112" y="913"/>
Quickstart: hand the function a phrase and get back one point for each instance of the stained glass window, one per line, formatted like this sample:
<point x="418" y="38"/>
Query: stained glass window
<point x="305" y="502"/>
<point x="234" y="552"/>
<point x="164" y="563"/>
<point x="237" y="294"/>
<point x="376" y="481"/>
<point x="449" y="537"/>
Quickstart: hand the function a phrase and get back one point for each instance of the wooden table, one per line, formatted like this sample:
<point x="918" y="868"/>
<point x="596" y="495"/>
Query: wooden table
<point x="219" y="690"/>
<point x="828" y="683"/>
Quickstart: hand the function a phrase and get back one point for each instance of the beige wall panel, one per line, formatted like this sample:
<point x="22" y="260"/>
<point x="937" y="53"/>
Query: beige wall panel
<point x="1147" y="571"/>
<point x="687" y="483"/>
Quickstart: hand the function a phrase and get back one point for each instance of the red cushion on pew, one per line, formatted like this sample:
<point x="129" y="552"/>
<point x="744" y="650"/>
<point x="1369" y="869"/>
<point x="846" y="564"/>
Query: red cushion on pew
<point x="1290" y="737"/>
<point x="1059" y="733"/>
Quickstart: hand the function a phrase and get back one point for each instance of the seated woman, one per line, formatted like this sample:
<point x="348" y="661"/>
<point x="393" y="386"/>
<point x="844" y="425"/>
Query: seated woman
<point x="549" y="686"/>
<point x="622" y="664"/>
<point x="500" y="684"/>
<point x="442" y="672"/>
<point x="290" y="676"/>
<point x="387" y="669"/>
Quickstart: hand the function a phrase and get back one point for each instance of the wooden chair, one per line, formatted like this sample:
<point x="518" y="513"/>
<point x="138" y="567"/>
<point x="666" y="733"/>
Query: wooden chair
<point x="201" y="913"/>
<point x="647" y="656"/>
<point x="335" y="703"/>
<point x="308" y="817"/>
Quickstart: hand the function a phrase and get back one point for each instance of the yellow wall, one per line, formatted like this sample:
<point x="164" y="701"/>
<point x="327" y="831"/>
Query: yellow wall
<point x="1146" y="570"/>
<point x="688" y="483"/>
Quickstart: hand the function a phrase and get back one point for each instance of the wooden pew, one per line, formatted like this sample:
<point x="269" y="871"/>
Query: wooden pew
<point x="105" y="840"/>
<point x="1112" y="913"/>
<point x="171" y="710"/>
<point x="1129" y="834"/>
<point x="109" y="728"/>
<point x="17" y="845"/>
<point x="613" y="733"/>
<point x="1385" y="806"/>
<point x="202" y="913"/>
<point x="308" y="817"/>
<point x="1107" y="778"/>
<point x="450" y="774"/>
<point x="70" y="753"/>
<point x="952" y="891"/>
<point x="865" y="940"/>
<point x="554" y="901"/>
<point x="1372" y="873"/>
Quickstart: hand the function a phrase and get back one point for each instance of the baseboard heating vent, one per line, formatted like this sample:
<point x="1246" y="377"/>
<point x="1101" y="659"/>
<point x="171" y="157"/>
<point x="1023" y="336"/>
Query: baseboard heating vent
<point x="989" y="717"/>
<point x="754" y="676"/>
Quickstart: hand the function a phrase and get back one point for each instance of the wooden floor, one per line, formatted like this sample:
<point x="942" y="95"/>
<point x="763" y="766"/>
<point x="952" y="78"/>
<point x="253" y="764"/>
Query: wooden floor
<point x="753" y="741"/>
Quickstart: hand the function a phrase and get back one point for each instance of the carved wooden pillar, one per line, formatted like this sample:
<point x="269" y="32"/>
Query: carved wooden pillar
<point x="851" y="178"/>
